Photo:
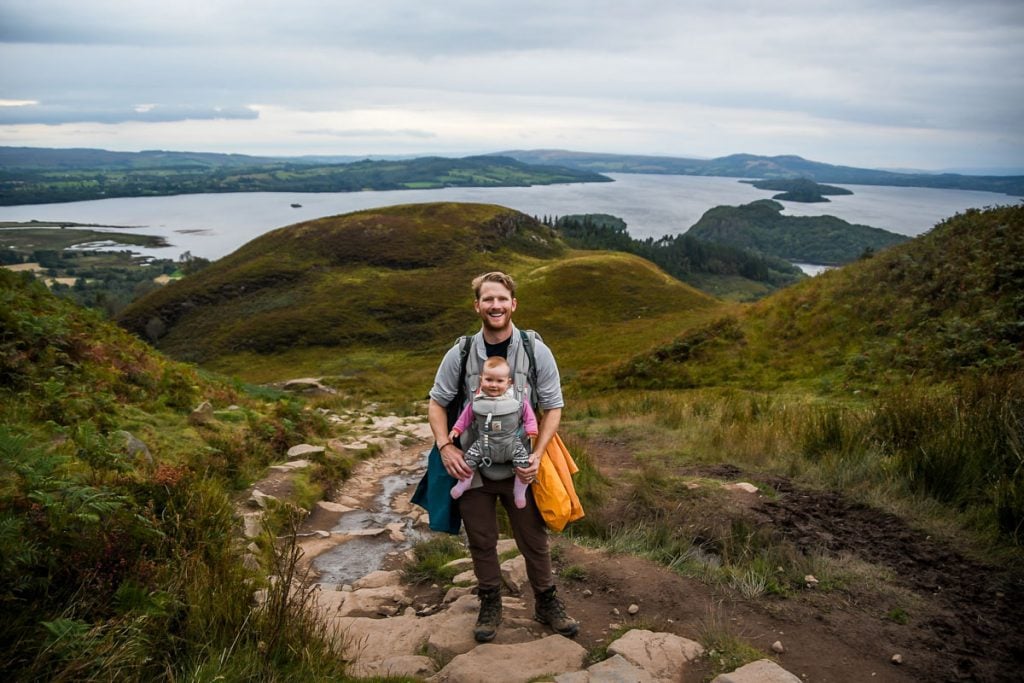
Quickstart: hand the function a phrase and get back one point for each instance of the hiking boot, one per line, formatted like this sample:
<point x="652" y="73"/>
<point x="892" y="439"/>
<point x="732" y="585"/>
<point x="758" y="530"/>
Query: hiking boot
<point x="550" y="610"/>
<point x="490" y="615"/>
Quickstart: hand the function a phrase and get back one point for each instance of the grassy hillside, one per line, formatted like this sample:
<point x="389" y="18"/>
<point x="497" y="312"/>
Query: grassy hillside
<point x="390" y="288"/>
<point x="899" y="374"/>
<point x="117" y="511"/>
<point x="761" y="227"/>
<point x="949" y="301"/>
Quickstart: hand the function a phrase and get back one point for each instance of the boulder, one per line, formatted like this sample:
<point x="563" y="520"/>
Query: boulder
<point x="516" y="663"/>
<point x="662" y="655"/>
<point x="761" y="671"/>
<point x="513" y="574"/>
<point x="202" y="415"/>
<point x="133" y="446"/>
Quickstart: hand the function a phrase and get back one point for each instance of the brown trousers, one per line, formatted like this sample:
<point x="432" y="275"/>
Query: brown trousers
<point x="478" y="507"/>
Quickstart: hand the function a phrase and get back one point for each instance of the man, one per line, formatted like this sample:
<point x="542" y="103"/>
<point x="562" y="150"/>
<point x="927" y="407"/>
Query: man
<point x="495" y="303"/>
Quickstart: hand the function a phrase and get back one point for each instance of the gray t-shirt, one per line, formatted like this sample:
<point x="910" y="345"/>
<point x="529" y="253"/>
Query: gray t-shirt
<point x="549" y="383"/>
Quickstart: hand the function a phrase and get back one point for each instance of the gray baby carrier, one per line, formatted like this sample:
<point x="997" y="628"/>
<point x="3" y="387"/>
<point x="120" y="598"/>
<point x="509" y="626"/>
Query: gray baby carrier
<point x="524" y="380"/>
<point x="498" y="422"/>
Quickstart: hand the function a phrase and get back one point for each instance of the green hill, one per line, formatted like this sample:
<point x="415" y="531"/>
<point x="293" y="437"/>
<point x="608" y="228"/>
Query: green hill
<point x="338" y="294"/>
<point x="947" y="302"/>
<point x="117" y="504"/>
<point x="761" y="226"/>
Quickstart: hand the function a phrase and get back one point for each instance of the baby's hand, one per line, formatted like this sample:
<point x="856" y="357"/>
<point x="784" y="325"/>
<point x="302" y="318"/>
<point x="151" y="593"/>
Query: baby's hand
<point x="454" y="434"/>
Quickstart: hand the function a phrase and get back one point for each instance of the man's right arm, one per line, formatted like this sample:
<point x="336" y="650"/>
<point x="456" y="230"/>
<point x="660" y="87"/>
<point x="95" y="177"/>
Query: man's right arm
<point x="446" y="387"/>
<point x="451" y="457"/>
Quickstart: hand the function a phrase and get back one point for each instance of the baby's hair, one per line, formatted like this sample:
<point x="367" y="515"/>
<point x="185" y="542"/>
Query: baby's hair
<point x="497" y="363"/>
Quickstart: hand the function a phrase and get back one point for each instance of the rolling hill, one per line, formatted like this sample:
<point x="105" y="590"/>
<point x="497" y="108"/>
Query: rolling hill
<point x="947" y="303"/>
<point x="395" y="281"/>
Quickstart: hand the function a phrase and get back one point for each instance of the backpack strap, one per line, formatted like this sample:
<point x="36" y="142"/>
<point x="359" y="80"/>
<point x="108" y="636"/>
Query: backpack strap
<point x="528" y="337"/>
<point x="455" y="406"/>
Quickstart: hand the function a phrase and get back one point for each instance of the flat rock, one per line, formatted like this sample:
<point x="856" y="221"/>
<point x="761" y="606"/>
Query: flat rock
<point x="290" y="466"/>
<point x="761" y="671"/>
<point x="328" y="506"/>
<point x="662" y="655"/>
<point x="741" y="486"/>
<point x="516" y="663"/>
<point x="612" y="670"/>
<point x="378" y="579"/>
<point x="304" y="449"/>
<point x="401" y="666"/>
<point x="454" y="635"/>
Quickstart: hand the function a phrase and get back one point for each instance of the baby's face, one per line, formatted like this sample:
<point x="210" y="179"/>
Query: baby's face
<point x="494" y="382"/>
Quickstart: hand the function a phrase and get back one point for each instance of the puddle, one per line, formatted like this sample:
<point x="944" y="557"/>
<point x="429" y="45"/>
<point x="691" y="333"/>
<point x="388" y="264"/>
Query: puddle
<point x="361" y="555"/>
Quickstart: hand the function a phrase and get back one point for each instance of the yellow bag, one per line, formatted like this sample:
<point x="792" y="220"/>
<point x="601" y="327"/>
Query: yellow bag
<point x="553" y="490"/>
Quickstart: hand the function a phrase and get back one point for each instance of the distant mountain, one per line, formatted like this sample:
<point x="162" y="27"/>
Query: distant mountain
<point x="753" y="166"/>
<point x="760" y="226"/>
<point x="945" y="303"/>
<point x="36" y="176"/>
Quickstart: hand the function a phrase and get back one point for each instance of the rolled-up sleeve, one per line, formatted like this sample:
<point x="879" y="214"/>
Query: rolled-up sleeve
<point x="446" y="381"/>
<point x="549" y="382"/>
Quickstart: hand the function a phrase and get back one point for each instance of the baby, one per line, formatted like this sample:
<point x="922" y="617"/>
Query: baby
<point x="500" y="417"/>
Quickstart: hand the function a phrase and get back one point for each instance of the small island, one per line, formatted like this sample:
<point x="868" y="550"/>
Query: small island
<point x="798" y="189"/>
<point x="762" y="227"/>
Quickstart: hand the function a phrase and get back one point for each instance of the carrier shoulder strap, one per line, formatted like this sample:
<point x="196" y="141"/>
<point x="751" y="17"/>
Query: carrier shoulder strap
<point x="528" y="337"/>
<point x="455" y="406"/>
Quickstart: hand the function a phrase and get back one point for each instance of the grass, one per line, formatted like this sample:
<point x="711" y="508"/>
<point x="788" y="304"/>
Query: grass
<point x="724" y="650"/>
<point x="431" y="556"/>
<point x="939" y="456"/>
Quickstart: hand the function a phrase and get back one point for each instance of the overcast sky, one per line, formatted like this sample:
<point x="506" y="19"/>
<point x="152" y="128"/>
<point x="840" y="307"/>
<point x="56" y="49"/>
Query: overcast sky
<point x="930" y="84"/>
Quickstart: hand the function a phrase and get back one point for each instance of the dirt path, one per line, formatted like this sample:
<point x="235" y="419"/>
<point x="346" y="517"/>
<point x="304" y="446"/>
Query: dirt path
<point x="960" y="623"/>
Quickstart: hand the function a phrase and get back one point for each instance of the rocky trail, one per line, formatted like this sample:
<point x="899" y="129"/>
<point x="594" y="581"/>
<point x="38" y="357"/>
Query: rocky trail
<point x="358" y="541"/>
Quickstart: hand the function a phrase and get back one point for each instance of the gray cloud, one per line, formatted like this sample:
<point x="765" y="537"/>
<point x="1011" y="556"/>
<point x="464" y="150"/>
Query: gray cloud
<point x="646" y="74"/>
<point x="57" y="114"/>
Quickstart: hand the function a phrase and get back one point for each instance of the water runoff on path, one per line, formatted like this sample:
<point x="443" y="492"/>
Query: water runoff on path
<point x="361" y="555"/>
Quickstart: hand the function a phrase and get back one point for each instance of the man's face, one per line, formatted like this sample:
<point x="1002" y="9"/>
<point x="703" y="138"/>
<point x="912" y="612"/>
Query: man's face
<point x="495" y="306"/>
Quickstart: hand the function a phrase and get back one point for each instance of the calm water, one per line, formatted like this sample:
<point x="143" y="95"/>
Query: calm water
<point x="214" y="225"/>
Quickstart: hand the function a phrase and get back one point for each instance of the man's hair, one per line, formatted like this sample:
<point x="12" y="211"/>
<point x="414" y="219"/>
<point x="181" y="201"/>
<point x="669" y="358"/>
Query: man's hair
<point x="494" y="276"/>
<point x="495" y="362"/>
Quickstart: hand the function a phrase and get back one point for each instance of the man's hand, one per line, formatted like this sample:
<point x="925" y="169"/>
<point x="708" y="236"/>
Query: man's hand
<point x="454" y="462"/>
<point x="528" y="475"/>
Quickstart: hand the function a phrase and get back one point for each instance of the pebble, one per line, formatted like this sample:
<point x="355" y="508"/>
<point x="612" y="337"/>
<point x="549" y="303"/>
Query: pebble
<point x="777" y="647"/>
<point x="633" y="608"/>
<point x="897" y="659"/>
<point x="615" y="611"/>
<point x="587" y="592"/>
